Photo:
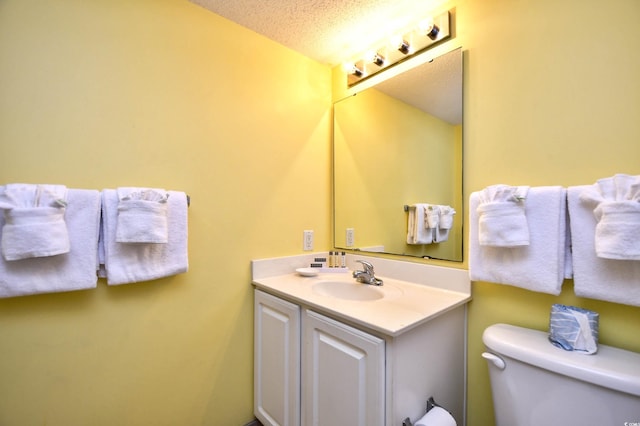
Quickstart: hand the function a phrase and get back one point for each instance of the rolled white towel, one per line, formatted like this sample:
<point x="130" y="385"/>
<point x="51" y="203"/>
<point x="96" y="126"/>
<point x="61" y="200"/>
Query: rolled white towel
<point x="431" y="216"/>
<point x="444" y="224"/>
<point x="502" y="218"/>
<point x="618" y="230"/>
<point x="502" y="224"/>
<point x="34" y="232"/>
<point x="142" y="216"/>
<point x="34" y="221"/>
<point x="616" y="208"/>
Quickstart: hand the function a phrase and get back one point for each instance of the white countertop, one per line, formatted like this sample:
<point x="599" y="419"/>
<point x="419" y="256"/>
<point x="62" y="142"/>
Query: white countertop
<point x="403" y="306"/>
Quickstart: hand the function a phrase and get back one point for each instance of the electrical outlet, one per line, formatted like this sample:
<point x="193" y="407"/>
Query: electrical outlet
<point x="351" y="239"/>
<point x="307" y="241"/>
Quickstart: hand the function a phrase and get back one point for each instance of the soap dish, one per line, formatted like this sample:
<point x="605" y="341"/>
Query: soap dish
<point x="307" y="272"/>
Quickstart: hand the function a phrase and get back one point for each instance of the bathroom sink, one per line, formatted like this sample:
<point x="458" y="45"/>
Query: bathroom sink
<point x="348" y="290"/>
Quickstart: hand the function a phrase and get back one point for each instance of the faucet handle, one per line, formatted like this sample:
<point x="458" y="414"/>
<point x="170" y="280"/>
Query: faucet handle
<point x="366" y="276"/>
<point x="368" y="267"/>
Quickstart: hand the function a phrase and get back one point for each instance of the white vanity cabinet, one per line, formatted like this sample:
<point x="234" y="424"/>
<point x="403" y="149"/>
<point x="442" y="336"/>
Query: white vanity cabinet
<point x="339" y="369"/>
<point x="314" y="369"/>
<point x="276" y="361"/>
<point x="343" y="374"/>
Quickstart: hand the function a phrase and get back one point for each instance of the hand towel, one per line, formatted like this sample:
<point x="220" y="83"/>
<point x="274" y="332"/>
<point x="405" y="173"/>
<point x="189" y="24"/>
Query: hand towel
<point x="417" y="232"/>
<point x="34" y="221"/>
<point x="16" y="195"/>
<point x="594" y="277"/>
<point x="616" y="203"/>
<point x="445" y="223"/>
<point x="411" y="224"/>
<point x="618" y="230"/>
<point x="431" y="215"/>
<point x="129" y="263"/>
<point x="142" y="216"/>
<point x="540" y="266"/>
<point x="502" y="216"/>
<point x="75" y="270"/>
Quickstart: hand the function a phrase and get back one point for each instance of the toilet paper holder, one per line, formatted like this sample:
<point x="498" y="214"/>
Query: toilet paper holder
<point x="430" y="404"/>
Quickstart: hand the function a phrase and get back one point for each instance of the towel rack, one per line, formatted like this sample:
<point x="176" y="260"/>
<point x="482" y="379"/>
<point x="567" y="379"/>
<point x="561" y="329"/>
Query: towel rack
<point x="188" y="200"/>
<point x="406" y="207"/>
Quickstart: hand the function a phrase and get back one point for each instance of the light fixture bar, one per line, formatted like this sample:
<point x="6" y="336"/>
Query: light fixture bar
<point x="428" y="32"/>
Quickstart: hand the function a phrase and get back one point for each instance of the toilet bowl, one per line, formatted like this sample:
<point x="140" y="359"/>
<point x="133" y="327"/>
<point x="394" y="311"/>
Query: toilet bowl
<point x="534" y="383"/>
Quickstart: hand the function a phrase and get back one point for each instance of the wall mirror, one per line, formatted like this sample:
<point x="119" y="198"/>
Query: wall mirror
<point x="396" y="144"/>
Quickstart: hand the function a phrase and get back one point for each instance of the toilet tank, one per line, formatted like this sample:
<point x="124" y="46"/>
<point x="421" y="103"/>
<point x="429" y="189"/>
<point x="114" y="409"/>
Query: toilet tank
<point x="535" y="383"/>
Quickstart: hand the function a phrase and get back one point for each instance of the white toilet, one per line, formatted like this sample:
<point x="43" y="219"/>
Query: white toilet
<point x="537" y="384"/>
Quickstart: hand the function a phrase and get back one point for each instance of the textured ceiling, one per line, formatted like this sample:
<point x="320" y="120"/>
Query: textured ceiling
<point x="334" y="31"/>
<point x="329" y="31"/>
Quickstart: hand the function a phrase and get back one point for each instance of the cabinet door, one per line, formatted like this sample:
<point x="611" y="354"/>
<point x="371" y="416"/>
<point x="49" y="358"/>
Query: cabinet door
<point x="276" y="361"/>
<point x="343" y="374"/>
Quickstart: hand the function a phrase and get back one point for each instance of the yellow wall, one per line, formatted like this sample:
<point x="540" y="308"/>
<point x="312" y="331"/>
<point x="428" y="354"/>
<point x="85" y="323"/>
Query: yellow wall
<point x="548" y="101"/>
<point x="98" y="94"/>
<point x="551" y="97"/>
<point x="161" y="93"/>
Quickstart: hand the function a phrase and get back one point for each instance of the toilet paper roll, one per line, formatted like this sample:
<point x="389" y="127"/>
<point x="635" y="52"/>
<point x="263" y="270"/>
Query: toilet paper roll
<point x="437" y="416"/>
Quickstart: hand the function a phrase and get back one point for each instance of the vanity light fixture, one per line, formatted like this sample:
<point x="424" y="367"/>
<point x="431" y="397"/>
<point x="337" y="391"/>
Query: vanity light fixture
<point x="403" y="46"/>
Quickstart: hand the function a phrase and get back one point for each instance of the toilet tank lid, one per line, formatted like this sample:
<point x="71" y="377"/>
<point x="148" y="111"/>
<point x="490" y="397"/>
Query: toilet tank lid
<point x="610" y="367"/>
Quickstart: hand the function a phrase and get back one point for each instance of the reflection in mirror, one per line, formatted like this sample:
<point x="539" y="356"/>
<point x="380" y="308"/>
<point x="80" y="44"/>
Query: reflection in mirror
<point x="395" y="144"/>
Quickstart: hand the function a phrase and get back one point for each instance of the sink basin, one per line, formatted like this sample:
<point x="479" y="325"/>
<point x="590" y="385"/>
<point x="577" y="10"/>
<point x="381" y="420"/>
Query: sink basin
<point x="348" y="290"/>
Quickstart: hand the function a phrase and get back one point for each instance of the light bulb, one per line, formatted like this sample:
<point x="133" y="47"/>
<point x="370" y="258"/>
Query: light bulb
<point x="398" y="42"/>
<point x="374" y="57"/>
<point x="428" y="28"/>
<point x="351" y="68"/>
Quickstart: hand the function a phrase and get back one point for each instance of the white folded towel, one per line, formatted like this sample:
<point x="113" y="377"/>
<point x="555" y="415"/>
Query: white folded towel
<point x="34" y="221"/>
<point x="618" y="230"/>
<point x="411" y="224"/>
<point x="142" y="216"/>
<point x="502" y="217"/>
<point x="445" y="223"/>
<point x="596" y="277"/>
<point x="616" y="206"/>
<point x="431" y="215"/>
<point x="75" y="270"/>
<point x="417" y="232"/>
<point x="539" y="266"/>
<point x="128" y="263"/>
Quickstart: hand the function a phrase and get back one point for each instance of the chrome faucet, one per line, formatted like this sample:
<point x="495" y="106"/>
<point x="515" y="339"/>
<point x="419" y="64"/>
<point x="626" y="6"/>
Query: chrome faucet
<point x="367" y="275"/>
